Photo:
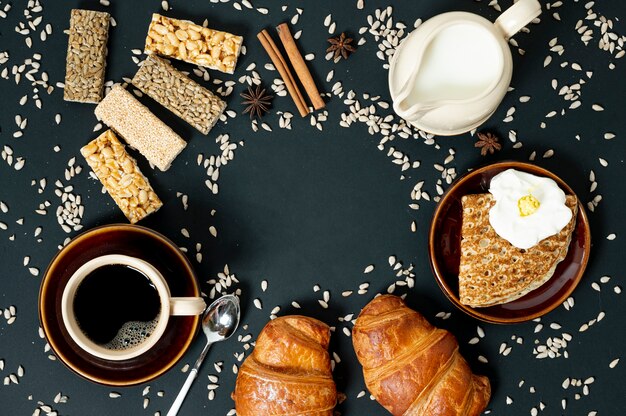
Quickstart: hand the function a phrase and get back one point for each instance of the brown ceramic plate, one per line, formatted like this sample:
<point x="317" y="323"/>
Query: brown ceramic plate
<point x="131" y="240"/>
<point x="445" y="248"/>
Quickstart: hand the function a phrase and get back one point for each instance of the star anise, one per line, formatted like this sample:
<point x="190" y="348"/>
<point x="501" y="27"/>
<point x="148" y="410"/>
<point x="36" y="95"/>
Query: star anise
<point x="257" y="101"/>
<point x="340" y="46"/>
<point x="488" y="143"/>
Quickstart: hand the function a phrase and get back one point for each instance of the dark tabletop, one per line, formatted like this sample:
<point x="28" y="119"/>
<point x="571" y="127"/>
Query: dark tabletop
<point x="311" y="207"/>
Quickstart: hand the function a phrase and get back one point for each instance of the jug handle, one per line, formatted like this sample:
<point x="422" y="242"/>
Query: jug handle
<point x="517" y="16"/>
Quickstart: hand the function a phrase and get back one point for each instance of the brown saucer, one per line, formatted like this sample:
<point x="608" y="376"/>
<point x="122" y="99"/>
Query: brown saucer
<point x="444" y="243"/>
<point x="132" y="240"/>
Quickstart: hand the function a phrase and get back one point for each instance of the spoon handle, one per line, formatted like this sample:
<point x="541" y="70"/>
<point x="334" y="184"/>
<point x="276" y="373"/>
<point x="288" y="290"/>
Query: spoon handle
<point x="200" y="359"/>
<point x="193" y="374"/>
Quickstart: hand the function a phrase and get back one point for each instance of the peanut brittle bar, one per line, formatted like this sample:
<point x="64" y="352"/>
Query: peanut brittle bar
<point x="121" y="176"/>
<point x="189" y="42"/>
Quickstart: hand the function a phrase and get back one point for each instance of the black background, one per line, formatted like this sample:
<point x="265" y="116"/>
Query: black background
<point x="306" y="207"/>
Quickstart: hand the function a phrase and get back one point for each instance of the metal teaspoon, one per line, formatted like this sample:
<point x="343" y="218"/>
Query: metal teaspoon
<point x="219" y="322"/>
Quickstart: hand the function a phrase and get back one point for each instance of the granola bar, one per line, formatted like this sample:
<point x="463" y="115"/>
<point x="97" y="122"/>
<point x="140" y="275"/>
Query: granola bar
<point x="184" y="40"/>
<point x="86" y="56"/>
<point x="178" y="93"/>
<point x="139" y="127"/>
<point x="121" y="176"/>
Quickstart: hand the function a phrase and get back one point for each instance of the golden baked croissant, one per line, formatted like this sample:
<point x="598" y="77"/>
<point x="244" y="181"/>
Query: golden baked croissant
<point x="413" y="368"/>
<point x="288" y="373"/>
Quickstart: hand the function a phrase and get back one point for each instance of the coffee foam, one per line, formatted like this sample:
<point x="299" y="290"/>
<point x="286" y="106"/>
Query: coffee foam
<point x="132" y="334"/>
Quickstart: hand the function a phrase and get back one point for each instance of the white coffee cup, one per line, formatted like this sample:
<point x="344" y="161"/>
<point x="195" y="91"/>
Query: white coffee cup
<point x="170" y="306"/>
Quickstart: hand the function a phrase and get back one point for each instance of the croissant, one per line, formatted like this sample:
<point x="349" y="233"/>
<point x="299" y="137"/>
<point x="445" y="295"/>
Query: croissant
<point x="413" y="368"/>
<point x="289" y="372"/>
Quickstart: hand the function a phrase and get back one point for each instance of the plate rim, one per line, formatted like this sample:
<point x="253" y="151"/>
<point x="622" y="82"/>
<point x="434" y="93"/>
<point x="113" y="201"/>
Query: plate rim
<point x="87" y="375"/>
<point x="438" y="274"/>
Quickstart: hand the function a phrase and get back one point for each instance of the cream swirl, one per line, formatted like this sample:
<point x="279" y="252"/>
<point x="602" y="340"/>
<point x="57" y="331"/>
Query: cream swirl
<point x="527" y="208"/>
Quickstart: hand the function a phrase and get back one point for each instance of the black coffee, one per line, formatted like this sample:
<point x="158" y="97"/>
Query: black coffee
<point x="117" y="306"/>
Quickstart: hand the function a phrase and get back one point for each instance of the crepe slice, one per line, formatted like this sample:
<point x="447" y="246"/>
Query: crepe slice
<point x="492" y="271"/>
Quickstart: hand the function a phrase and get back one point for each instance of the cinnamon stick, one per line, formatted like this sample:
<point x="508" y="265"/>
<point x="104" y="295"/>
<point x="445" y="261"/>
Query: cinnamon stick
<point x="280" y="64"/>
<point x="302" y="71"/>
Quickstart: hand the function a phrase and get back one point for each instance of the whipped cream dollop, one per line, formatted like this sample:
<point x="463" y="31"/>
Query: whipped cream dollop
<point x="527" y="209"/>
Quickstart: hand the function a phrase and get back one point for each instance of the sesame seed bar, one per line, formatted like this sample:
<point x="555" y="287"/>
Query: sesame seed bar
<point x="178" y="93"/>
<point x="139" y="127"/>
<point x="86" y="56"/>
<point x="184" y="40"/>
<point x="121" y="176"/>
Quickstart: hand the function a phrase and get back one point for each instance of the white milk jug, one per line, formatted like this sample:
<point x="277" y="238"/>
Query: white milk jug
<point x="450" y="74"/>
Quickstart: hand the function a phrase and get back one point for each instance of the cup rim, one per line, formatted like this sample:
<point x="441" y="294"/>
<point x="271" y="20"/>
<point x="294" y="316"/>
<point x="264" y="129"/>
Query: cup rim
<point x="104" y="372"/>
<point x="74" y="283"/>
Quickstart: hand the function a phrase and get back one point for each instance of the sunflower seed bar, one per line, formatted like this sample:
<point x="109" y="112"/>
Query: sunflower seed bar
<point x="184" y="40"/>
<point x="139" y="127"/>
<point x="178" y="93"/>
<point x="86" y="56"/>
<point x="121" y="177"/>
